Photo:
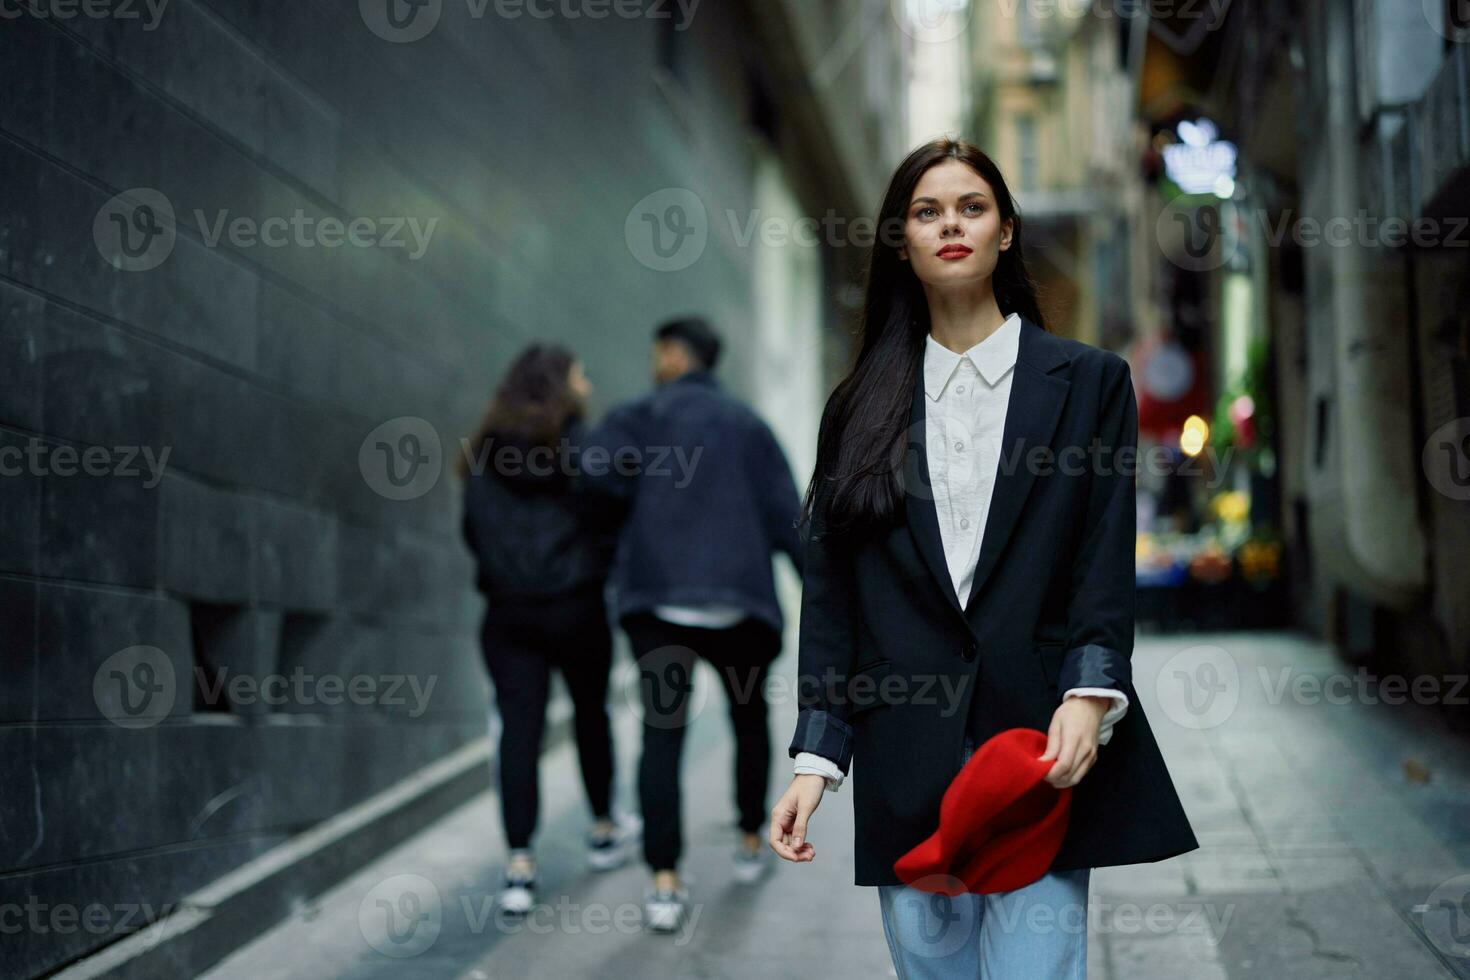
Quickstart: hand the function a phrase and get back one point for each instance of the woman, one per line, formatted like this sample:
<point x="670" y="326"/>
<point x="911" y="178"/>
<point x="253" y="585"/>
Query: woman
<point x="969" y="569"/>
<point x="543" y="551"/>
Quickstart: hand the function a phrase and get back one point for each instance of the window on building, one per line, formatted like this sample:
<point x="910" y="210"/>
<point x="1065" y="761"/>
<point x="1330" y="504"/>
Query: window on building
<point x="1026" y="156"/>
<point x="1028" y="29"/>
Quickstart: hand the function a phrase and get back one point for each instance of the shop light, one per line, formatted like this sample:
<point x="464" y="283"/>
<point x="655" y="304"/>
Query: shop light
<point x="1194" y="435"/>
<point x="1201" y="163"/>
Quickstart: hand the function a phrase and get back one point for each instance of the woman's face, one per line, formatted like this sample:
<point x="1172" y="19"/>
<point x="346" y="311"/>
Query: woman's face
<point x="953" y="234"/>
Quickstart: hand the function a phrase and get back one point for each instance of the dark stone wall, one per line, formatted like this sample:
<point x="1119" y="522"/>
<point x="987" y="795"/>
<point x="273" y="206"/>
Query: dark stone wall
<point x="262" y="545"/>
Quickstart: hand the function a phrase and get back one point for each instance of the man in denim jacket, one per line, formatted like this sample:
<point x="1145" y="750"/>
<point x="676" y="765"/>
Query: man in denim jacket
<point x="710" y="499"/>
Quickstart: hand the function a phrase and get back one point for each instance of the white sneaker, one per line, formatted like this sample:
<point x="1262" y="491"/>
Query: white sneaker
<point x="750" y="867"/>
<point x="519" y="894"/>
<point x="663" y="909"/>
<point x="630" y="823"/>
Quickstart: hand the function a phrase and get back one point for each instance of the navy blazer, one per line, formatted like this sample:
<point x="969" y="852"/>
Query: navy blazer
<point x="710" y="495"/>
<point x="894" y="672"/>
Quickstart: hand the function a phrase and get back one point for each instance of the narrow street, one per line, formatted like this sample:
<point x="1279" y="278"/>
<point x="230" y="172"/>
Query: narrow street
<point x="1335" y="839"/>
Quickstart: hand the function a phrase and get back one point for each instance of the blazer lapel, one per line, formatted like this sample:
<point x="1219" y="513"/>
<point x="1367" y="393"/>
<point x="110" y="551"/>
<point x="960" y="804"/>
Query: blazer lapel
<point x="923" y="519"/>
<point x="1037" y="397"/>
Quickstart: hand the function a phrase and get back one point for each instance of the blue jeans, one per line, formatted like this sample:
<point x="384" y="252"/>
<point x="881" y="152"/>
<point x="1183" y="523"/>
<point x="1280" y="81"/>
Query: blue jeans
<point x="1034" y="933"/>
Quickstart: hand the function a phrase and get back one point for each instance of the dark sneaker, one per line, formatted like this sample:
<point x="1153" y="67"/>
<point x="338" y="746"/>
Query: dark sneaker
<point x="605" y="851"/>
<point x="611" y="849"/>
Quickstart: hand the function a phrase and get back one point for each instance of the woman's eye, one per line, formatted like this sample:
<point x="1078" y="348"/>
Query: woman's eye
<point x="925" y="212"/>
<point x="975" y="209"/>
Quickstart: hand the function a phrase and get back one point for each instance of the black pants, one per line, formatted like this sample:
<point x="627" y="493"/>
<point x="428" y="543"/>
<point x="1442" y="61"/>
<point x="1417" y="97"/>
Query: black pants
<point x="666" y="656"/>
<point x="522" y="641"/>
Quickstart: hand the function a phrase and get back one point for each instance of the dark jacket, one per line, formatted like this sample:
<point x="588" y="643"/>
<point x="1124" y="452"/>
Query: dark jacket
<point x="534" y="530"/>
<point x="710" y="499"/>
<point x="894" y="673"/>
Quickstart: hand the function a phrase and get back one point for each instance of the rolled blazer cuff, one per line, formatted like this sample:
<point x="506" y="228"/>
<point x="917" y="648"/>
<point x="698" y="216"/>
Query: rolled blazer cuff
<point x="1115" y="711"/>
<point x="823" y="734"/>
<point x="1092" y="665"/>
<point x="808" y="762"/>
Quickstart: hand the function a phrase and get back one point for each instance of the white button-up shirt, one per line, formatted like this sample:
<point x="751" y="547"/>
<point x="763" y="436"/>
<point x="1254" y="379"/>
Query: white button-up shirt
<point x="968" y="395"/>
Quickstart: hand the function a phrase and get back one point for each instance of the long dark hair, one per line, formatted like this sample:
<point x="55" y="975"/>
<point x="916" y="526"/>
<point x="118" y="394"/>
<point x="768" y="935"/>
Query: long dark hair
<point x="533" y="404"/>
<point x="860" y="451"/>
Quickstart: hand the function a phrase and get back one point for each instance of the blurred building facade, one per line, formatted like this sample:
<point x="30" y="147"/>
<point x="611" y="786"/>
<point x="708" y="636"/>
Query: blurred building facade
<point x="1216" y="183"/>
<point x="1354" y="120"/>
<point x="585" y="177"/>
<point x="1052" y="98"/>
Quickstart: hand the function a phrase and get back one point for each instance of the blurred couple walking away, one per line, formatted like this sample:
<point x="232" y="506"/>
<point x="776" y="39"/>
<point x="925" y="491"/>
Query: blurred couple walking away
<point x="666" y="515"/>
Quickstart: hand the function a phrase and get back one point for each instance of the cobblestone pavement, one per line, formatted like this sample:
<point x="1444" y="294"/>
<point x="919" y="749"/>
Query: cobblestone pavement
<point x="1335" y="833"/>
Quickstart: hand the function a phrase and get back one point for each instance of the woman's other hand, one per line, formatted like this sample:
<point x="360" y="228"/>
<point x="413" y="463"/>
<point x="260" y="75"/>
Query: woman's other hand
<point x="790" y="815"/>
<point x="1072" y="739"/>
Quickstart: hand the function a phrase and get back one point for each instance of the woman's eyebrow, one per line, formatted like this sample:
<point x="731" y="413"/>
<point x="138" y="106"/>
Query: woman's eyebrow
<point x="962" y="197"/>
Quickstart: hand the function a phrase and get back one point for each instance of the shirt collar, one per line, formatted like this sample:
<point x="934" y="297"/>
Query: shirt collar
<point x="698" y="376"/>
<point x="992" y="357"/>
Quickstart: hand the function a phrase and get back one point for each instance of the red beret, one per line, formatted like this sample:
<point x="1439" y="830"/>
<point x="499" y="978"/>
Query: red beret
<point x="1000" y="822"/>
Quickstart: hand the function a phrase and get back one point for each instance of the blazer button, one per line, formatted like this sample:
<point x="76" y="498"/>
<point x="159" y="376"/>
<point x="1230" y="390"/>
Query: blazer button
<point x="970" y="650"/>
